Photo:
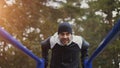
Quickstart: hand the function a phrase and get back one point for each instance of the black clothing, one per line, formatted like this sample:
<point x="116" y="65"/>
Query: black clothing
<point x="67" y="56"/>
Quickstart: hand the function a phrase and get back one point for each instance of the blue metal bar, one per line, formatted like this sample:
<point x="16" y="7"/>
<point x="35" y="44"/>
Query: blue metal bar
<point x="4" y="34"/>
<point x="111" y="36"/>
<point x="40" y="65"/>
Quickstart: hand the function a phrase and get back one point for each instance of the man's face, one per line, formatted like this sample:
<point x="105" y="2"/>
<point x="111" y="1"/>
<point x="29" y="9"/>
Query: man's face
<point x="64" y="37"/>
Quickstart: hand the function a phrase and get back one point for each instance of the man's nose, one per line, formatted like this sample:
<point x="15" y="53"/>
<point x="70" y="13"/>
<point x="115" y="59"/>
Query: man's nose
<point x="65" y="36"/>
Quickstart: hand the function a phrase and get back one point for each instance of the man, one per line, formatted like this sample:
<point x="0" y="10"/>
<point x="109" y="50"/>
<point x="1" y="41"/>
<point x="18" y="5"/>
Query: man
<point x="66" y="48"/>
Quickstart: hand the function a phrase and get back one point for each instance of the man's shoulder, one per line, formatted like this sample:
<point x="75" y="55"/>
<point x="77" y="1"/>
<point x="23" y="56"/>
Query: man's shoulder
<point x="78" y="40"/>
<point x="53" y="40"/>
<point x="46" y="41"/>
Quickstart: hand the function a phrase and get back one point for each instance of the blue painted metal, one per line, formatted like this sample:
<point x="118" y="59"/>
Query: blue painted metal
<point x="4" y="34"/>
<point x="40" y="65"/>
<point x="111" y="36"/>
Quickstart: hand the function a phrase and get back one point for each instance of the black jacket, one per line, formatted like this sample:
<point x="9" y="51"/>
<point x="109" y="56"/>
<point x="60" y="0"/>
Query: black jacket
<point x="65" y="56"/>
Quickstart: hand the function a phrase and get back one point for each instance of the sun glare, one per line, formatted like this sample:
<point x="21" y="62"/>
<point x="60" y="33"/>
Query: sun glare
<point x="1" y="10"/>
<point x="10" y="2"/>
<point x="4" y="11"/>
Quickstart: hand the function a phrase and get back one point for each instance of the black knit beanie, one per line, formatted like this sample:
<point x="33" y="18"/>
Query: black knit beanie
<point x="64" y="27"/>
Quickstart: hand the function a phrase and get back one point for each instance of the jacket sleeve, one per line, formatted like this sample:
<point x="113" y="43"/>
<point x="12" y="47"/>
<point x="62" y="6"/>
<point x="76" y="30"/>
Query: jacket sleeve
<point x="84" y="52"/>
<point x="45" y="45"/>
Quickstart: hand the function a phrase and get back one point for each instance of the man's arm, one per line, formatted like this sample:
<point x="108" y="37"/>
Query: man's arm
<point x="84" y="52"/>
<point x="45" y="45"/>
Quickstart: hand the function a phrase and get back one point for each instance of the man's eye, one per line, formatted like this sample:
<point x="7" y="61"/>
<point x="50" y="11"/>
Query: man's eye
<point x="67" y="34"/>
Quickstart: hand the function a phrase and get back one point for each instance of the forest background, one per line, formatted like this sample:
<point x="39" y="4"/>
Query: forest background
<point x="31" y="21"/>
